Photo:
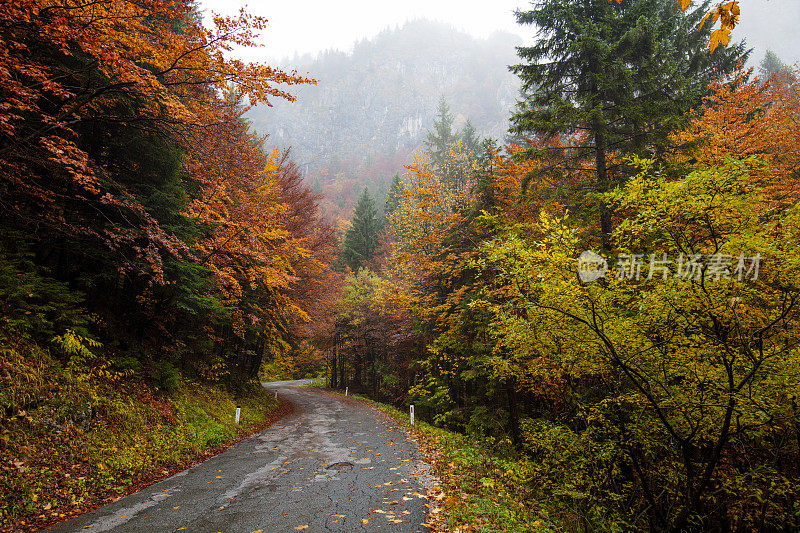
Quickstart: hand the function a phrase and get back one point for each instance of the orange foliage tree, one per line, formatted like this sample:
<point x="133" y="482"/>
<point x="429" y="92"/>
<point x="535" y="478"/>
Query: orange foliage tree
<point x="126" y="166"/>
<point x="70" y="67"/>
<point x="749" y="117"/>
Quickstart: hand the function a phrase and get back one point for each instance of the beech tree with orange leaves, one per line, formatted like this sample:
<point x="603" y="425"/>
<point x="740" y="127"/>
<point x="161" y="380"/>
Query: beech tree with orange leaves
<point x="128" y="170"/>
<point x="746" y="118"/>
<point x="62" y="84"/>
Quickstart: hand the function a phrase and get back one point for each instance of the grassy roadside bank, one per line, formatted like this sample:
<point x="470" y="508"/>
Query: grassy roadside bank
<point x="478" y="491"/>
<point x="70" y="442"/>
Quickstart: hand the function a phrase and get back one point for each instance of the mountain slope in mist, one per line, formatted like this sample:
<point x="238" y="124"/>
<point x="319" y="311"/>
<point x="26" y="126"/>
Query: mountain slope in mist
<point x="374" y="105"/>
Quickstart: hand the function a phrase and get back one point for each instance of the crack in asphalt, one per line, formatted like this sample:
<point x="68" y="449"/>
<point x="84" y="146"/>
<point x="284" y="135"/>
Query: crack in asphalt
<point x="285" y="478"/>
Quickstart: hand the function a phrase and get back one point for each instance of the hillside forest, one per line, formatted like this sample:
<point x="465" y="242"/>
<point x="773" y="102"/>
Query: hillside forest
<point x="585" y="258"/>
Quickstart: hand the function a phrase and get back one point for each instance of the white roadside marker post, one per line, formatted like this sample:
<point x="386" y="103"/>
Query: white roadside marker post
<point x="412" y="414"/>
<point x="276" y="395"/>
<point x="238" y="411"/>
<point x="345" y="390"/>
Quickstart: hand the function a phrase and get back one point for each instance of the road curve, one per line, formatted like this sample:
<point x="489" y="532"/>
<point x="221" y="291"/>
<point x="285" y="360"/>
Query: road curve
<point x="333" y="464"/>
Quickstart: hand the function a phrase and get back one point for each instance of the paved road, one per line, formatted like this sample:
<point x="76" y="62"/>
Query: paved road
<point x="333" y="464"/>
<point x="284" y="384"/>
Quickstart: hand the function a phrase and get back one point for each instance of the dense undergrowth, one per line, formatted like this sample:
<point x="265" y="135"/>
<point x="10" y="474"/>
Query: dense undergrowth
<point x="74" y="438"/>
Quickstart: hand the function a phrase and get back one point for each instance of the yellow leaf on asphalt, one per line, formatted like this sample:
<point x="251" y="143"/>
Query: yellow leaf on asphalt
<point x="301" y="527"/>
<point x="364" y="521"/>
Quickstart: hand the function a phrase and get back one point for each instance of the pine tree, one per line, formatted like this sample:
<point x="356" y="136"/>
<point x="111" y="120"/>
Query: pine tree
<point x="619" y="74"/>
<point x="771" y="65"/>
<point x="442" y="138"/>
<point x="393" y="198"/>
<point x="470" y="138"/>
<point x="361" y="240"/>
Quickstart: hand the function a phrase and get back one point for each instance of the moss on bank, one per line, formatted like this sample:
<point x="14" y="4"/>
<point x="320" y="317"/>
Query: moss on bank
<point x="480" y="489"/>
<point x="71" y="440"/>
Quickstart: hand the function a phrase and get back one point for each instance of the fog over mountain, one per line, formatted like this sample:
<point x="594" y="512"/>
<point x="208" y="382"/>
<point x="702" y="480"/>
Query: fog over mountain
<point x="770" y="25"/>
<point x="374" y="105"/>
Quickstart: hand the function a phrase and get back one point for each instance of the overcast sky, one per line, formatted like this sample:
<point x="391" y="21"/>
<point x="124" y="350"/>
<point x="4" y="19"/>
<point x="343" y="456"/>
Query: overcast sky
<point x="303" y="26"/>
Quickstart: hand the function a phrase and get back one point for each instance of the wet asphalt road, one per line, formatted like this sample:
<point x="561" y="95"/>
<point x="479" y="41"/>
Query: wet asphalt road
<point x="333" y="464"/>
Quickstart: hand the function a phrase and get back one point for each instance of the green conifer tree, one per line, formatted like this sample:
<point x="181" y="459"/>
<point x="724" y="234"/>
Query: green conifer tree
<point x="442" y="138"/>
<point x="470" y="138"/>
<point x="394" y="196"/>
<point x="771" y="65"/>
<point x="620" y="75"/>
<point x="361" y="240"/>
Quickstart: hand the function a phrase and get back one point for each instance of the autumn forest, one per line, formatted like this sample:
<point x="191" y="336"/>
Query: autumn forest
<point x="594" y="312"/>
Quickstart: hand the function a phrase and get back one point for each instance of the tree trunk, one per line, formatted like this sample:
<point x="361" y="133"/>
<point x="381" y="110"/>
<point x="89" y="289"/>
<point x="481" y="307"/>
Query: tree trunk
<point x="341" y="371"/>
<point x="357" y="368"/>
<point x="513" y="410"/>
<point x="374" y="374"/>
<point x="603" y="184"/>
<point x="334" y="363"/>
